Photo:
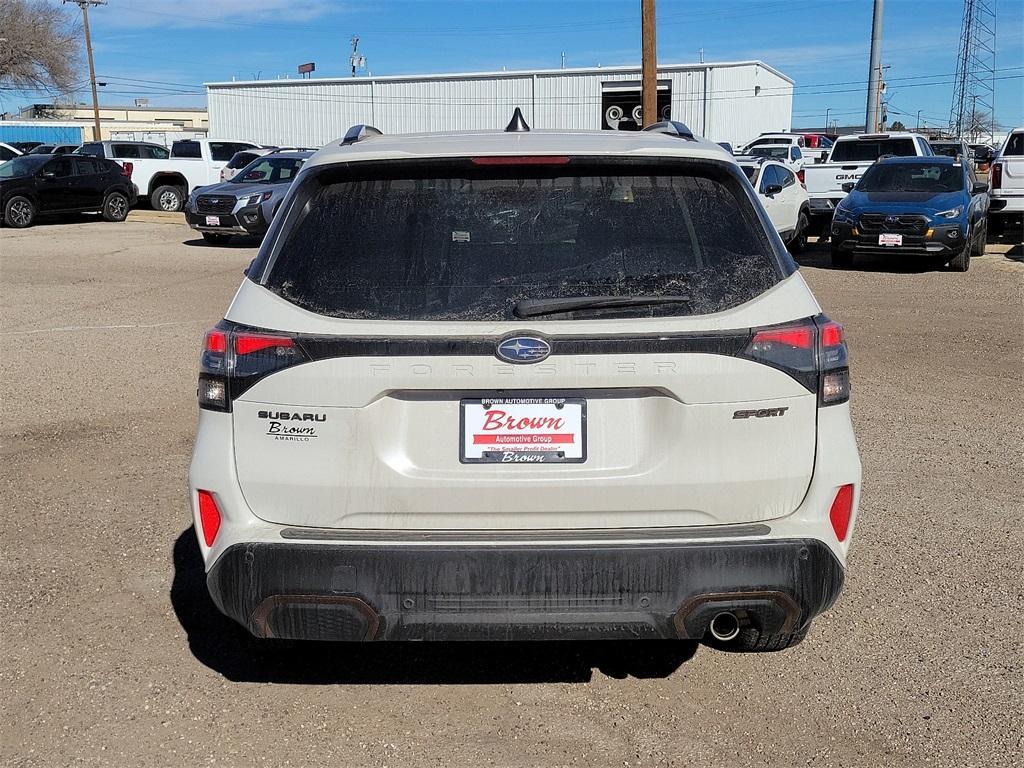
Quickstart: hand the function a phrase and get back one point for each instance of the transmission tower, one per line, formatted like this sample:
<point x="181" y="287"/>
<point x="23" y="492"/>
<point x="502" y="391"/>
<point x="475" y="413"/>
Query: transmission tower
<point x="972" y="114"/>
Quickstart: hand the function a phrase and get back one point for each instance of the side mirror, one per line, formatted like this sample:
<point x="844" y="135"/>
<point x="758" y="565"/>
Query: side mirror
<point x="979" y="187"/>
<point x="848" y="186"/>
<point x="773" y="189"/>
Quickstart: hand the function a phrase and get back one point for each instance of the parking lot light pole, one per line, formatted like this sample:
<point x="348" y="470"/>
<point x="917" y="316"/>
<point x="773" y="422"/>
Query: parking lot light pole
<point x="826" y="119"/>
<point x="84" y="5"/>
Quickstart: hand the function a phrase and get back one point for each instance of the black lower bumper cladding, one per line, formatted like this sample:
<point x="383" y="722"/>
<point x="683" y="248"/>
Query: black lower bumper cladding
<point x="477" y="592"/>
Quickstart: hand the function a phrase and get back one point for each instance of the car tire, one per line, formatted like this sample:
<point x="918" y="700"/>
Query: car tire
<point x="962" y="261"/>
<point x="841" y="259"/>
<point x="115" y="207"/>
<point x="19" y="212"/>
<point x="981" y="237"/>
<point x="168" y="199"/>
<point x="214" y="239"/>
<point x="798" y="242"/>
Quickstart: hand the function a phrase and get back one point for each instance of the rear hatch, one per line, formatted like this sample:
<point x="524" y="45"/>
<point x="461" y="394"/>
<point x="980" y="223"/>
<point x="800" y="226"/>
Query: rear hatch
<point x="497" y="345"/>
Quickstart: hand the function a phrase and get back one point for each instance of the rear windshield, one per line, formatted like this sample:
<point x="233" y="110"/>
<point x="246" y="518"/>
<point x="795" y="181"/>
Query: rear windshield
<point x="464" y="242"/>
<point x="869" y="150"/>
<point x="949" y="150"/>
<point x="241" y="159"/>
<point x="912" y="177"/>
<point x="1015" y="145"/>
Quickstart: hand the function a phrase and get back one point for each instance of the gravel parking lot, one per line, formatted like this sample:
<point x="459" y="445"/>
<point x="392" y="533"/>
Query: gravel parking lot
<point x="114" y="654"/>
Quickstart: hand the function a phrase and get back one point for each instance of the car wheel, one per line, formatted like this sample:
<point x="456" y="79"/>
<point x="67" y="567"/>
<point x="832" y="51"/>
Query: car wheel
<point x="214" y="239"/>
<point x="981" y="237"/>
<point x="19" y="212"/>
<point x="798" y="242"/>
<point x="841" y="259"/>
<point x="169" y="199"/>
<point x="115" y="207"/>
<point x="962" y="261"/>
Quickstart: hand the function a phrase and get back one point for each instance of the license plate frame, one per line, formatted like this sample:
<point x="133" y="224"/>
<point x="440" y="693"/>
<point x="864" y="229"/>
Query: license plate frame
<point x="213" y="221"/>
<point x="542" y="405"/>
<point x="890" y="239"/>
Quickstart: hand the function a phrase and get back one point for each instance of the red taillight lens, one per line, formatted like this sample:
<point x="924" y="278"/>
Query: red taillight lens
<point x="248" y="343"/>
<point x="216" y="341"/>
<point x="209" y="517"/>
<point x="522" y="160"/>
<point x="996" y="171"/>
<point x="127" y="168"/>
<point x="800" y="175"/>
<point x="842" y="510"/>
<point x="832" y="334"/>
<point x="800" y="337"/>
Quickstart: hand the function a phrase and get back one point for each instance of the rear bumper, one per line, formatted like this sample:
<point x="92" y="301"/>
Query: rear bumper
<point x="513" y="592"/>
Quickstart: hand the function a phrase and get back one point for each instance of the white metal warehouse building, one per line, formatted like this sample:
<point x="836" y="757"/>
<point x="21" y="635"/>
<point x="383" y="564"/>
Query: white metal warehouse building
<point x="730" y="101"/>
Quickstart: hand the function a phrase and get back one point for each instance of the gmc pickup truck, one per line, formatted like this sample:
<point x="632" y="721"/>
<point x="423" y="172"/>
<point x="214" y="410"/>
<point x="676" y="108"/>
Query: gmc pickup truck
<point x="849" y="158"/>
<point x="1006" y="182"/>
<point x="165" y="177"/>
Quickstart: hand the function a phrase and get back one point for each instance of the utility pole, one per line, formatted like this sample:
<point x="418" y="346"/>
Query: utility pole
<point x="919" y="120"/>
<point x="84" y="5"/>
<point x="354" y="60"/>
<point x="649" y="69"/>
<point x="826" y="118"/>
<point x="874" y="69"/>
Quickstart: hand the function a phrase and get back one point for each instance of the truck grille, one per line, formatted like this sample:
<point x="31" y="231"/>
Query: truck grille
<point x="215" y="204"/>
<point x="907" y="225"/>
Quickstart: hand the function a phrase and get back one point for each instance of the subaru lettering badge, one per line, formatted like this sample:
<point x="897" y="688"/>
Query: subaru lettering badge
<point x="523" y="349"/>
<point x="891" y="219"/>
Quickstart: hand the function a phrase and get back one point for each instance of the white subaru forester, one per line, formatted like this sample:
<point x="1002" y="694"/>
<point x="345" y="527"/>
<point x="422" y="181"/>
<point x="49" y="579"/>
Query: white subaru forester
<point x="524" y="384"/>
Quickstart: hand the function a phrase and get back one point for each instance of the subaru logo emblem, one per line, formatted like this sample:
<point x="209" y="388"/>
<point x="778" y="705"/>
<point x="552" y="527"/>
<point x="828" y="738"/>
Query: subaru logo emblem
<point x="892" y="219"/>
<point x="523" y="349"/>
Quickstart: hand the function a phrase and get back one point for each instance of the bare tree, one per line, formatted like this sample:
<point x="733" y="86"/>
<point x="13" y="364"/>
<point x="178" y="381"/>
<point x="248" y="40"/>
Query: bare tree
<point x="40" y="46"/>
<point x="978" y="123"/>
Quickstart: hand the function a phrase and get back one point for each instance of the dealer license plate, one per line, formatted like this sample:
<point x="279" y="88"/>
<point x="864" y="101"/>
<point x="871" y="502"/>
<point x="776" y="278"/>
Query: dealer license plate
<point x="523" y="430"/>
<point x="213" y="221"/>
<point x="889" y="239"/>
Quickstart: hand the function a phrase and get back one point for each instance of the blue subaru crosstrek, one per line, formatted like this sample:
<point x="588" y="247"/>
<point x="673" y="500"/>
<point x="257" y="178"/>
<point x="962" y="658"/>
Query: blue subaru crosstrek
<point x="909" y="207"/>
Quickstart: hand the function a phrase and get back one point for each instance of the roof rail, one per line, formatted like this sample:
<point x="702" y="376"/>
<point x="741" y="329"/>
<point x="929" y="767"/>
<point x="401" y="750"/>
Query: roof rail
<point x="672" y="128"/>
<point x="358" y="133"/>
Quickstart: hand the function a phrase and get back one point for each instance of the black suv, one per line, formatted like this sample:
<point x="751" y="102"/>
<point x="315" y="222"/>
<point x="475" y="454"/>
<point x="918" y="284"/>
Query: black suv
<point x="34" y="185"/>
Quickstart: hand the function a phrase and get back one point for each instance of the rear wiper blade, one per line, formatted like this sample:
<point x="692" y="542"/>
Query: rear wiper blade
<point x="534" y="307"/>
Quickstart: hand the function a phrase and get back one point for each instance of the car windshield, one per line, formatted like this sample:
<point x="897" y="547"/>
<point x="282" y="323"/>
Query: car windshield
<point x="948" y="150"/>
<point x="25" y="165"/>
<point x="869" y="150"/>
<point x="266" y="170"/>
<point x="776" y="152"/>
<point x="912" y="177"/>
<point x="455" y="241"/>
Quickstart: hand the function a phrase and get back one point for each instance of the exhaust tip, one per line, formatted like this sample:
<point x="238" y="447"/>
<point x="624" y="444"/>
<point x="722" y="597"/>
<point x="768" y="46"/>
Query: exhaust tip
<point x="724" y="627"/>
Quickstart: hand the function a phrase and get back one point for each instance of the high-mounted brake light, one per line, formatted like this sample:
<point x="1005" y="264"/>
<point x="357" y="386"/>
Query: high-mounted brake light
<point x="522" y="160"/>
<point x="997" y="175"/>
<point x="233" y="360"/>
<point x="841" y="512"/>
<point x="209" y="517"/>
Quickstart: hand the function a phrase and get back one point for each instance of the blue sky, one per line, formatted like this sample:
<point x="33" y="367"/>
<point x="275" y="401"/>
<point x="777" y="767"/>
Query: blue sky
<point x="165" y="51"/>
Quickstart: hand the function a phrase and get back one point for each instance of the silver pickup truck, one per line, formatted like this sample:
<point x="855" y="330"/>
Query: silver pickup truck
<point x="846" y="163"/>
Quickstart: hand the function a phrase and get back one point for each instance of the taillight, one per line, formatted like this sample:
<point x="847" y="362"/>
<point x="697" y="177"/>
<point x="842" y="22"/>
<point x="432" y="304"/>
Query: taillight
<point x="127" y="168"/>
<point x="996" y="173"/>
<point x="234" y="359"/>
<point x="800" y="175"/>
<point x="209" y="517"/>
<point x="812" y="351"/>
<point x="842" y="511"/>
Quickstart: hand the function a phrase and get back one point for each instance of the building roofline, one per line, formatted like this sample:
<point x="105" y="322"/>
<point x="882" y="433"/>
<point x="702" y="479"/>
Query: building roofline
<point x="627" y="69"/>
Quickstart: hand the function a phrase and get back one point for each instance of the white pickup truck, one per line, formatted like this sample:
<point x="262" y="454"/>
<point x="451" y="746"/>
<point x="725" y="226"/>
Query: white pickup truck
<point x="165" y="177"/>
<point x="1006" y="182"/>
<point x="846" y="163"/>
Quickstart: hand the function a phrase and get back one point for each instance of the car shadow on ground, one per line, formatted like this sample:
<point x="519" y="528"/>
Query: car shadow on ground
<point x="227" y="648"/>
<point x="236" y="241"/>
<point x="817" y="255"/>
